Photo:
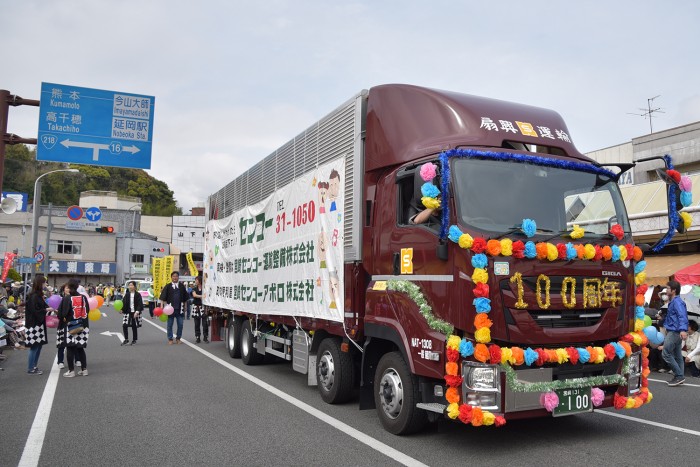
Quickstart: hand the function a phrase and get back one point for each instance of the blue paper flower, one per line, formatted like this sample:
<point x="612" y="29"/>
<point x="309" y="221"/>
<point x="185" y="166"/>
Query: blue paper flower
<point x="583" y="355"/>
<point x="640" y="266"/>
<point x="529" y="227"/>
<point x="619" y="350"/>
<point x="454" y="233"/>
<point x="480" y="261"/>
<point x="482" y="305"/>
<point x="571" y="252"/>
<point x="530" y="250"/>
<point x="530" y="356"/>
<point x="615" y="253"/>
<point x="686" y="198"/>
<point x="429" y="190"/>
<point x="466" y="348"/>
<point x="639" y="312"/>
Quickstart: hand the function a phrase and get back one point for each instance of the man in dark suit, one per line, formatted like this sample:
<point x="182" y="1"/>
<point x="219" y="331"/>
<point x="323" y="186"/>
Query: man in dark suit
<point x="175" y="294"/>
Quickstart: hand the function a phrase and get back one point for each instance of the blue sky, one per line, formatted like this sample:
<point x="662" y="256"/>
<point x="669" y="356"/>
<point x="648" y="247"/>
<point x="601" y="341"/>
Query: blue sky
<point x="234" y="80"/>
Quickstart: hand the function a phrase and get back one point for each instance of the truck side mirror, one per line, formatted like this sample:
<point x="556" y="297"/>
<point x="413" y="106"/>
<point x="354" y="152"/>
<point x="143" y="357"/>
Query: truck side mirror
<point x="442" y="250"/>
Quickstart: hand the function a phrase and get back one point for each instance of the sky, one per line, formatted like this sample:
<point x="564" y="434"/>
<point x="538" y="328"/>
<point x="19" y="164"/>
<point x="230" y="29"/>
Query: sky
<point x="233" y="80"/>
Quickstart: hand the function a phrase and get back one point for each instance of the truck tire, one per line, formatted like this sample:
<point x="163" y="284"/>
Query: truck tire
<point x="249" y="354"/>
<point x="233" y="338"/>
<point x="335" y="372"/>
<point x="396" y="395"/>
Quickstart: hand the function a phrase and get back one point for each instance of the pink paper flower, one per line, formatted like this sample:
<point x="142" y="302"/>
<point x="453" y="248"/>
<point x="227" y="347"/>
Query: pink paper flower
<point x="549" y="400"/>
<point x="428" y="171"/>
<point x="686" y="184"/>
<point x="597" y="397"/>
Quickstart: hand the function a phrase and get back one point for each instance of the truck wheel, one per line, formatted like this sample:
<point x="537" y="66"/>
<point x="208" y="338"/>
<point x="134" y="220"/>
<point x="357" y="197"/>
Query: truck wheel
<point x="249" y="354"/>
<point x="334" y="372"/>
<point x="396" y="395"/>
<point x="233" y="338"/>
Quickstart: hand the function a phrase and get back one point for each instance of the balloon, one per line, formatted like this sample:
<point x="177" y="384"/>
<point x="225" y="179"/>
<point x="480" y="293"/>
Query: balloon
<point x="118" y="305"/>
<point x="158" y="311"/>
<point x="92" y="301"/>
<point x="163" y="317"/>
<point x="100" y="301"/>
<point x="168" y="310"/>
<point x="95" y="315"/>
<point x="55" y="301"/>
<point x="647" y="321"/>
<point x="654" y="336"/>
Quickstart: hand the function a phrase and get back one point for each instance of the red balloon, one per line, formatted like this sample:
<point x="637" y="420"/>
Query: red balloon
<point x="157" y="311"/>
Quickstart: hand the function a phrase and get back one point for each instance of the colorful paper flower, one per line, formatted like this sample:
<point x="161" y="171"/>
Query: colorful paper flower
<point x="429" y="190"/>
<point x="571" y="252"/>
<point x="687" y="219"/>
<point x="453" y="342"/>
<point x="529" y="227"/>
<point x="481" y="290"/>
<point x="506" y="247"/>
<point x="686" y="198"/>
<point x="479" y="245"/>
<point x="549" y="400"/>
<point x="615" y="253"/>
<point x="466" y="348"/>
<point x="452" y="395"/>
<point x="589" y="251"/>
<point x="481" y="320"/>
<point x="495" y="354"/>
<point x="481" y="353"/>
<point x="637" y="254"/>
<point x="482" y="305"/>
<point x="552" y="252"/>
<point x="617" y="231"/>
<point x="454" y="233"/>
<point x="428" y="171"/>
<point x="453" y="411"/>
<point x="577" y="233"/>
<point x="482" y="335"/>
<point x="675" y="175"/>
<point x="597" y="397"/>
<point x="530" y="250"/>
<point x="480" y="276"/>
<point x="480" y="261"/>
<point x="686" y="184"/>
<point x="530" y="356"/>
<point x="518" y="249"/>
<point x="607" y="253"/>
<point x="584" y="355"/>
<point x="430" y="203"/>
<point x="493" y="247"/>
<point x="465" y="413"/>
<point x="465" y="241"/>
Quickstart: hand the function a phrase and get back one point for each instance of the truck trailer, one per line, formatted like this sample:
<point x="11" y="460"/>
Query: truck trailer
<point x="517" y="297"/>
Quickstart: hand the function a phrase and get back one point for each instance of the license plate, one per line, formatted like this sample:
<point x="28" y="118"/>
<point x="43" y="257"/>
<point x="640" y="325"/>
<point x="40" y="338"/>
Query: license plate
<point x="573" y="401"/>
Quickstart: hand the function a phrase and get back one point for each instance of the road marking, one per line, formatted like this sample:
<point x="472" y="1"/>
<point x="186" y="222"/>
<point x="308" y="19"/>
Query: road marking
<point x="118" y="334"/>
<point x="35" y="440"/>
<point x="377" y="445"/>
<point x="649" y="422"/>
<point x="684" y="384"/>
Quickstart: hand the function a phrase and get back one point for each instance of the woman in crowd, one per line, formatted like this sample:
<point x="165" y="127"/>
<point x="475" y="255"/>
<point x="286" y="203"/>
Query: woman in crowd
<point x="73" y="316"/>
<point x="198" y="311"/>
<point x="133" y="307"/>
<point x="35" y="322"/>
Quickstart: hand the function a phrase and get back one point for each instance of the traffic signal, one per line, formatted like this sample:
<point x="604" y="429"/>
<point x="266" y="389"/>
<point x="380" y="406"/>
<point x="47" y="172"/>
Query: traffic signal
<point x="159" y="250"/>
<point x="104" y="229"/>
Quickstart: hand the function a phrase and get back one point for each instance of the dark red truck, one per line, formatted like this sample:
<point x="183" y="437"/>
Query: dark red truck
<point x="515" y="298"/>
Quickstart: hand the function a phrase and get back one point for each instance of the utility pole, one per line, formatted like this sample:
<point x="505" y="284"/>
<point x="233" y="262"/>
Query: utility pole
<point x="7" y="100"/>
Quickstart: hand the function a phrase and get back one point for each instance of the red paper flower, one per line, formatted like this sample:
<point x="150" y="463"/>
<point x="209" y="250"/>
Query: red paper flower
<point x="598" y="253"/>
<point x="675" y="175"/>
<point x="481" y="290"/>
<point x="628" y="338"/>
<point x="561" y="250"/>
<point x="519" y="249"/>
<point x="617" y="231"/>
<point x="465" y="413"/>
<point x="453" y="381"/>
<point x="630" y="250"/>
<point x="541" y="357"/>
<point x="495" y="353"/>
<point x="452" y="355"/>
<point x="500" y="421"/>
<point x="573" y="355"/>
<point x="479" y="245"/>
<point x="619" y="401"/>
<point x="642" y="289"/>
<point x="609" y="352"/>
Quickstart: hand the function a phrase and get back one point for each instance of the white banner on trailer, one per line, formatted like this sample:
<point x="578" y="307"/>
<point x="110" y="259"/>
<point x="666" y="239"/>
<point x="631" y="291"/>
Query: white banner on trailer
<point x="283" y="255"/>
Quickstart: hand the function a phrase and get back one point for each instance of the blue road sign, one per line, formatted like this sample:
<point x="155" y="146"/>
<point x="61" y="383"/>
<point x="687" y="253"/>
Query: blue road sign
<point x="27" y="260"/>
<point x="74" y="213"/>
<point x="95" y="127"/>
<point x="93" y="214"/>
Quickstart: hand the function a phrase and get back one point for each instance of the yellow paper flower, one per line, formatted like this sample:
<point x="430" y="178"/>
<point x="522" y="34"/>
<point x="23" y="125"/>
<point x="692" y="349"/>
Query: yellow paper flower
<point x="687" y="219"/>
<point x="430" y="203"/>
<point x="600" y="355"/>
<point x="562" y="356"/>
<point x="589" y="251"/>
<point x="630" y="403"/>
<point x="483" y="335"/>
<point x="578" y="232"/>
<point x="623" y="253"/>
<point x="640" y="278"/>
<point x="649" y="397"/>
<point x="453" y="411"/>
<point x="465" y="241"/>
<point x="552" y="252"/>
<point x="506" y="247"/>
<point x="637" y="339"/>
<point x="638" y="325"/>
<point x="507" y="355"/>
<point x="489" y="418"/>
<point x="480" y="276"/>
<point x="453" y="342"/>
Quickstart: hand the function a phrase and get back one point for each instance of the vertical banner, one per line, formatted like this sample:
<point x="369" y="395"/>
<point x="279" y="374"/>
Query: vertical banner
<point x="190" y="264"/>
<point x="156" y="268"/>
<point x="283" y="255"/>
<point x="167" y="269"/>
<point x="7" y="265"/>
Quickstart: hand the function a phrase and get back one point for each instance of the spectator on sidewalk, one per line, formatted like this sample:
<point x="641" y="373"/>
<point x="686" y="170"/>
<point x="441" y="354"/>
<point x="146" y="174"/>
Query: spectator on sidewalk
<point x="198" y="312"/>
<point x="692" y="349"/>
<point x="676" y="324"/>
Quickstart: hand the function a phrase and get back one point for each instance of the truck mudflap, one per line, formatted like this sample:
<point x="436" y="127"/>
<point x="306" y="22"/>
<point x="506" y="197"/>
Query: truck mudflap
<point x="511" y="382"/>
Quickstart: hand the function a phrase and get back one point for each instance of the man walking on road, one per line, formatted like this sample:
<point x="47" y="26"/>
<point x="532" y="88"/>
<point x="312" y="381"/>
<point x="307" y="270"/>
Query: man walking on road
<point x="175" y="294"/>
<point x="676" y="324"/>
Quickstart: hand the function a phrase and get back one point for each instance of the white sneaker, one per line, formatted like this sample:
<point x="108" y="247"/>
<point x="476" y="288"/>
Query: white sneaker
<point x="69" y="374"/>
<point x="83" y="372"/>
<point x="61" y="366"/>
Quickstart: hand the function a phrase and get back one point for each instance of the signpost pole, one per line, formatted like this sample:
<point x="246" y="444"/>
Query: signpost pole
<point x="48" y="245"/>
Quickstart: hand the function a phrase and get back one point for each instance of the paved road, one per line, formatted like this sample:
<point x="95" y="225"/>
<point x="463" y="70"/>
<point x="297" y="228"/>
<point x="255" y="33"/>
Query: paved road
<point x="154" y="404"/>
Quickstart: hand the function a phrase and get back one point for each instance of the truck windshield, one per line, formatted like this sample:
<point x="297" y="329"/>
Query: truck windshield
<point x="496" y="196"/>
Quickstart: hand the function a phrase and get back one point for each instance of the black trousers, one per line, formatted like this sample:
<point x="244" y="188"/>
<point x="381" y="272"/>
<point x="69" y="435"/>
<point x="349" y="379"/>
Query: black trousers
<point x="79" y="353"/>
<point x="134" y="326"/>
<point x="151" y="307"/>
<point x="205" y="324"/>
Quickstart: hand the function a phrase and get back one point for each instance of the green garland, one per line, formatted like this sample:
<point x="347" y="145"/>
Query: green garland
<point x="519" y="386"/>
<point x="414" y="293"/>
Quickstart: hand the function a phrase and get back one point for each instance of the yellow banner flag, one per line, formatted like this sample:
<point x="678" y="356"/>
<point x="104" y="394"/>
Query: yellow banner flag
<point x="167" y="269"/>
<point x="156" y="271"/>
<point x="191" y="265"/>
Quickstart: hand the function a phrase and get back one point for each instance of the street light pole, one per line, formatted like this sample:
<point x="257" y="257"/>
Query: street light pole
<point x="37" y="205"/>
<point x="131" y="235"/>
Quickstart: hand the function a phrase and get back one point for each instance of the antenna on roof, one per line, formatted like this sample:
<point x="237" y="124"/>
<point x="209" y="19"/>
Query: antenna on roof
<point x="649" y="112"/>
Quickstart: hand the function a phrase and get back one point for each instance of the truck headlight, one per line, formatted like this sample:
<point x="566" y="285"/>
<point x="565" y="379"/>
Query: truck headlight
<point x="482" y="378"/>
<point x="635" y="363"/>
<point x="482" y="385"/>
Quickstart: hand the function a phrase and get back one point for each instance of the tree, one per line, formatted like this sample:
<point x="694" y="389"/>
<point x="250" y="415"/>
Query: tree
<point x="14" y="275"/>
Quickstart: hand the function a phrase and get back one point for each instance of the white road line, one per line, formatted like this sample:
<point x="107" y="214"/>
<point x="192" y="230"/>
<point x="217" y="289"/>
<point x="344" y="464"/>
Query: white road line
<point x="649" y="422"/>
<point x="35" y="440"/>
<point x="378" y="446"/>
<point x="684" y="384"/>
